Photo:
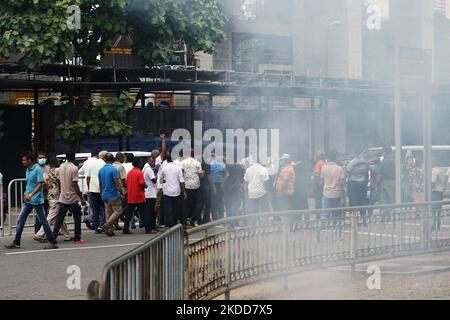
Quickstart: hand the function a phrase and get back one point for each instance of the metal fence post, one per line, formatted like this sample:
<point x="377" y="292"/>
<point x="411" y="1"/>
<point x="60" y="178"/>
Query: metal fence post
<point x="285" y="221"/>
<point x="227" y="262"/>
<point x="353" y="241"/>
<point x="425" y="226"/>
<point x="186" y="267"/>
<point x="1" y="207"/>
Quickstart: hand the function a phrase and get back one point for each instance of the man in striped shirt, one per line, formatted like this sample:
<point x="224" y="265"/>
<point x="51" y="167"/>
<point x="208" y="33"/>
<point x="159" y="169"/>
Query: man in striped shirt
<point x="284" y="184"/>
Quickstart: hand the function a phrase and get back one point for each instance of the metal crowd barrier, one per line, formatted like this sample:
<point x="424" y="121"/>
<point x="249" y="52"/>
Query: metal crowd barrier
<point x="246" y="249"/>
<point x="225" y="254"/>
<point x="2" y="210"/>
<point x="16" y="189"/>
<point x="153" y="271"/>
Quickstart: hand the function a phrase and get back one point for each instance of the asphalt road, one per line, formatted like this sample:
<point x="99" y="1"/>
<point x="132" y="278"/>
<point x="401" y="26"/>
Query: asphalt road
<point x="33" y="273"/>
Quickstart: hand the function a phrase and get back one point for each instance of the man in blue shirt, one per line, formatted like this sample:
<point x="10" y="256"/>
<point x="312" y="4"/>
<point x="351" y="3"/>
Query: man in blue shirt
<point x="33" y="199"/>
<point x="217" y="174"/>
<point x="112" y="194"/>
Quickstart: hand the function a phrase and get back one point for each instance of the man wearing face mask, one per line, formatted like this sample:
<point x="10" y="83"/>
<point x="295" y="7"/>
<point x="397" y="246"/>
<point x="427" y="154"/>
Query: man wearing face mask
<point x="42" y="162"/>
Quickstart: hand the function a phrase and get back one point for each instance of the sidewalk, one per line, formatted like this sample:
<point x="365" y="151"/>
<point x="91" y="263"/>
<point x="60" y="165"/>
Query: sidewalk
<point x="418" y="277"/>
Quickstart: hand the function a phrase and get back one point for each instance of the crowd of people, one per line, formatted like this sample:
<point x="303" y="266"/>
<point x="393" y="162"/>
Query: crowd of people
<point x="163" y="192"/>
<point x="360" y="183"/>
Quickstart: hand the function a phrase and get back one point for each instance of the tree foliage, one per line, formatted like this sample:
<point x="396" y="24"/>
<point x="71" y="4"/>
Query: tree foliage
<point x="102" y="119"/>
<point x="37" y="29"/>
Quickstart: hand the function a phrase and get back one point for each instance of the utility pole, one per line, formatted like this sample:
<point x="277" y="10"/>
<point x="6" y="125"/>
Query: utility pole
<point x="427" y="125"/>
<point x="398" y="129"/>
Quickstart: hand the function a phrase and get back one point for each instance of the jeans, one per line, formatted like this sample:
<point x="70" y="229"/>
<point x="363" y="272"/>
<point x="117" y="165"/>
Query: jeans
<point x="140" y="207"/>
<point x="37" y="224"/>
<point x="330" y="203"/>
<point x="172" y="210"/>
<point x="75" y="209"/>
<point x="151" y="212"/>
<point x="98" y="210"/>
<point x="135" y="218"/>
<point x="40" y="214"/>
<point x="357" y="193"/>
<point x="192" y="206"/>
<point x="217" y="203"/>
<point x="336" y="217"/>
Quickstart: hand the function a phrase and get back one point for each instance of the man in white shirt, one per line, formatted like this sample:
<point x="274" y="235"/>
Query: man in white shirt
<point x="82" y="184"/>
<point x="257" y="181"/>
<point x="192" y="173"/>
<point x="151" y="192"/>
<point x="171" y="181"/>
<point x="95" y="198"/>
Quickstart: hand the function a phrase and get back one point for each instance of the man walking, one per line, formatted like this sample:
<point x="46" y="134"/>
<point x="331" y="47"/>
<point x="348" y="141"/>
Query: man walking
<point x="112" y="194"/>
<point x="257" y="178"/>
<point x="233" y="189"/>
<point x="151" y="193"/>
<point x="69" y="197"/>
<point x="438" y="185"/>
<point x="33" y="199"/>
<point x="43" y="165"/>
<point x="95" y="199"/>
<point x="53" y="184"/>
<point x="136" y="196"/>
<point x="83" y="184"/>
<point x="217" y="173"/>
<point x="192" y="174"/>
<point x="171" y="181"/>
<point x="118" y="164"/>
<point x="333" y="178"/>
<point x="357" y="173"/>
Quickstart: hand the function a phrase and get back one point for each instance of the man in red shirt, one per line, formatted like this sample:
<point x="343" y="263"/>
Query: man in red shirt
<point x="136" y="196"/>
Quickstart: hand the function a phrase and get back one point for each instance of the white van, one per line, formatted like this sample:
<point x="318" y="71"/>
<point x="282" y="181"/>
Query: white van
<point x="80" y="158"/>
<point x="440" y="153"/>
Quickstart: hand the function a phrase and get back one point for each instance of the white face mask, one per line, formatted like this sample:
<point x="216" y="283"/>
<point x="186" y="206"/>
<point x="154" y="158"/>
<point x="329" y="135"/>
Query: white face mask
<point x="42" y="162"/>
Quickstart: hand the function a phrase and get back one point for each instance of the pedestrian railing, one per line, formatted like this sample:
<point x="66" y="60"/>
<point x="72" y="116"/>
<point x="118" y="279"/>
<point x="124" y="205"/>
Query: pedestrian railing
<point x="152" y="271"/>
<point x="2" y="210"/>
<point x="236" y="251"/>
<point x="16" y="189"/>
<point x="232" y="252"/>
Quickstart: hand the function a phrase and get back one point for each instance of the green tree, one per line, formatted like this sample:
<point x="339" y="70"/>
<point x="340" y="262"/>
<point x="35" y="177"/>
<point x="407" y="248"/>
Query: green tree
<point x="37" y="29"/>
<point x="102" y="119"/>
